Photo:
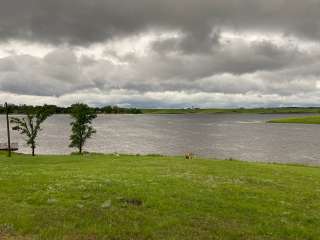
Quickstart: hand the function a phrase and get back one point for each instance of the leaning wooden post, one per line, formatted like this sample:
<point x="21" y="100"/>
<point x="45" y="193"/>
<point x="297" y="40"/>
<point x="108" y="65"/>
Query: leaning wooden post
<point x="8" y="130"/>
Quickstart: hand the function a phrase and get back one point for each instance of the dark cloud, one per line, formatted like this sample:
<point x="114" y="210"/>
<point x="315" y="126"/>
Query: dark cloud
<point x="188" y="43"/>
<point x="85" y="22"/>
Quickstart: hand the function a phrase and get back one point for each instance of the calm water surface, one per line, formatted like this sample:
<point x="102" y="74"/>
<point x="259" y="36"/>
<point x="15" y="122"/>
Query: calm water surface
<point x="239" y="136"/>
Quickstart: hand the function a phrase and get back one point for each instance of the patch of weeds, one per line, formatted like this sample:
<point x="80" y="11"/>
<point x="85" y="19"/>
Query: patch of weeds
<point x="52" y="201"/>
<point x="86" y="196"/>
<point x="106" y="204"/>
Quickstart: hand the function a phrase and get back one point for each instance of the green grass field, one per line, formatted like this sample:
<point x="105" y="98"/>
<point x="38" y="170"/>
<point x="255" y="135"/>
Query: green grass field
<point x="153" y="197"/>
<point x="287" y="110"/>
<point x="304" y="120"/>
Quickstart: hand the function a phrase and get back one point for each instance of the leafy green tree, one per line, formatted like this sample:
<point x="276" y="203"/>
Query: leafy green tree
<point x="30" y="125"/>
<point x="82" y="128"/>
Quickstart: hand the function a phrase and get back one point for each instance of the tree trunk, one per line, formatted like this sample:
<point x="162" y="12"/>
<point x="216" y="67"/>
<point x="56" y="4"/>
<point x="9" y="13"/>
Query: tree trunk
<point x="8" y="130"/>
<point x="80" y="144"/>
<point x="33" y="150"/>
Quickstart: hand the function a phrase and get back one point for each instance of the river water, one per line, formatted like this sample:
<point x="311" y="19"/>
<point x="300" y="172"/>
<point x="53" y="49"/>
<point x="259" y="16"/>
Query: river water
<point x="238" y="136"/>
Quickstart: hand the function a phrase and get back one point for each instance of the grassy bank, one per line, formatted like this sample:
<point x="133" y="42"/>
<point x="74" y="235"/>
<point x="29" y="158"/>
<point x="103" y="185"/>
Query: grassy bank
<point x="151" y="197"/>
<point x="304" y="120"/>
<point x="237" y="110"/>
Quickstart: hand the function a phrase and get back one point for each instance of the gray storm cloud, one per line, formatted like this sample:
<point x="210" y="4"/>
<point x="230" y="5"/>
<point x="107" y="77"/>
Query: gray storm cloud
<point x="238" y="48"/>
<point x="85" y="22"/>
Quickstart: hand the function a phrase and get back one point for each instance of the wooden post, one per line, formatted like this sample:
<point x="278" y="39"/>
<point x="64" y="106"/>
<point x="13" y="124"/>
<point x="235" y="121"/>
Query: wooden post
<point x="8" y="130"/>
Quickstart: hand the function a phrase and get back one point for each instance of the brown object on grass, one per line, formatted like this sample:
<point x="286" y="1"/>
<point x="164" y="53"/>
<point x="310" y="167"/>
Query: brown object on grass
<point x="189" y="155"/>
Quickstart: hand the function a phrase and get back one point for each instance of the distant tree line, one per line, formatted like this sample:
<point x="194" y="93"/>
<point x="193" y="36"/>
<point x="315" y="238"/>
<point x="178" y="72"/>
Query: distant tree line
<point x="118" y="110"/>
<point x="53" y="109"/>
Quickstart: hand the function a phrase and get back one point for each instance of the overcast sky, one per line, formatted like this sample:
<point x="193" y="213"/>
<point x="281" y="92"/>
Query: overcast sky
<point x="168" y="53"/>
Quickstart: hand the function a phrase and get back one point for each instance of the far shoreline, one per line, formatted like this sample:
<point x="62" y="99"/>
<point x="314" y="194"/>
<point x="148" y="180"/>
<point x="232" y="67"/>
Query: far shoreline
<point x="287" y="110"/>
<point x="115" y="110"/>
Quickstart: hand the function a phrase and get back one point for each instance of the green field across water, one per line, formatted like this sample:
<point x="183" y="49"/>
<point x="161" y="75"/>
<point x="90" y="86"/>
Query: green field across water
<point x="303" y="120"/>
<point x="153" y="197"/>
<point x="287" y="110"/>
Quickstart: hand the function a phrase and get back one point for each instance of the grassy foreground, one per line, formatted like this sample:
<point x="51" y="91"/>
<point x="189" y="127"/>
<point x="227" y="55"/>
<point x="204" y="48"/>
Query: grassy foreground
<point x="151" y="197"/>
<point x="304" y="120"/>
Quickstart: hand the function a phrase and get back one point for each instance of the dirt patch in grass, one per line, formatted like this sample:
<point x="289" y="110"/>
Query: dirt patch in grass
<point x="4" y="236"/>
<point x="131" y="202"/>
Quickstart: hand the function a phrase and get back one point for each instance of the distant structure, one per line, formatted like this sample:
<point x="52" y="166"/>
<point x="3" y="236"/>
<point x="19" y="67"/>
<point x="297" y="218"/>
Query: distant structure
<point x="4" y="146"/>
